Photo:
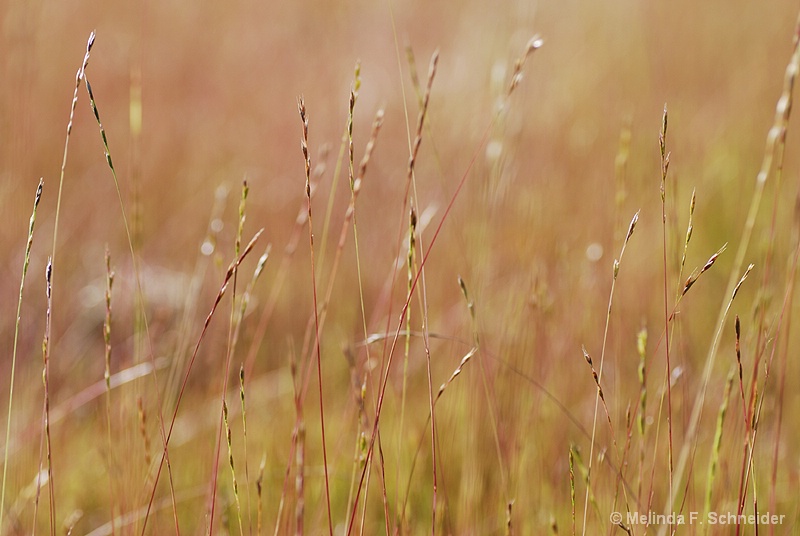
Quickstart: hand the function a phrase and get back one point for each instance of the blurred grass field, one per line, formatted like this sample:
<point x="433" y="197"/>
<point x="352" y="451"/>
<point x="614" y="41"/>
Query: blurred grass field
<point x="195" y="100"/>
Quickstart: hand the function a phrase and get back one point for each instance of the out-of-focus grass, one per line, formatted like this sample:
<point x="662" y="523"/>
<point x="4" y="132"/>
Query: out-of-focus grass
<point x="533" y="234"/>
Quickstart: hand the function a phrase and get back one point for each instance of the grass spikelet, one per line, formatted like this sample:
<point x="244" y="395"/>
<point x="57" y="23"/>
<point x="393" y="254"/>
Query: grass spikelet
<point x="25" y="264"/>
<point x="689" y="229"/>
<point x="260" y="495"/>
<point x="572" y="485"/>
<point x="641" y="348"/>
<point x="79" y="76"/>
<point x="244" y="440"/>
<point x="741" y="280"/>
<point x="143" y="431"/>
<point x="707" y="266"/>
<point x="534" y="44"/>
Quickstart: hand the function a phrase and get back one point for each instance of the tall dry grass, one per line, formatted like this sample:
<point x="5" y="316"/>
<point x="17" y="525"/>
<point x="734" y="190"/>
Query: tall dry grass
<point x="368" y="396"/>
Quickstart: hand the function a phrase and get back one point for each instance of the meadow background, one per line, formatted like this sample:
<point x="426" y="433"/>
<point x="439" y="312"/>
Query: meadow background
<point x="195" y="99"/>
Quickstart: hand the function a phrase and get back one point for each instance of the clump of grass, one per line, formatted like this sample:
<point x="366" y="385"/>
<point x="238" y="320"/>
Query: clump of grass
<point x="774" y="137"/>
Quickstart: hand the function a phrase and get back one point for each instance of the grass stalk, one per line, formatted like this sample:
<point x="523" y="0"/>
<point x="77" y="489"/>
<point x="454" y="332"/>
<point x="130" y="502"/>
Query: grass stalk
<point x="17" y="318"/>
<point x="301" y="107"/>
<point x="233" y="326"/>
<point x="46" y="381"/>
<point x="662" y="143"/>
<point x="599" y="374"/>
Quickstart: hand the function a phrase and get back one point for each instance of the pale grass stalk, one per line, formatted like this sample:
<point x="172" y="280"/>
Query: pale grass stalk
<point x="244" y="440"/>
<point x="300" y="459"/>
<point x="411" y="180"/>
<point x="347" y="141"/>
<point x="46" y="414"/>
<point x="641" y="347"/>
<point x="232" y="328"/>
<point x="662" y="142"/>
<point x="79" y="76"/>
<point x="17" y="318"/>
<point x="780" y="124"/>
<point x="412" y="230"/>
<point x="631" y="228"/>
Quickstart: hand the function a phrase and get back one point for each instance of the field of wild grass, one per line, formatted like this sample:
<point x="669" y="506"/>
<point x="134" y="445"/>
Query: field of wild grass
<point x="399" y="267"/>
